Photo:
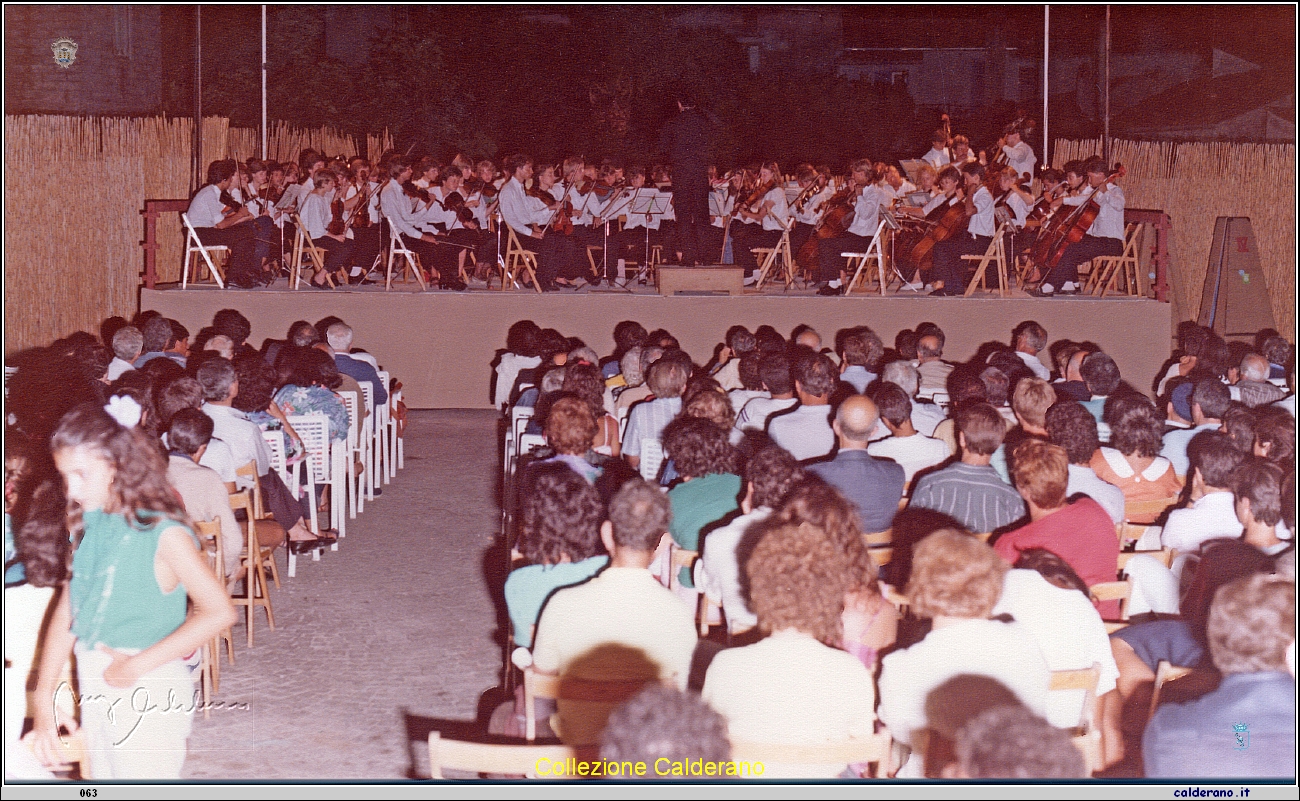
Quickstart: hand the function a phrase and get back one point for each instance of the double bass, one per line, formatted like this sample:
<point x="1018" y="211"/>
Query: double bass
<point x="1064" y="230"/>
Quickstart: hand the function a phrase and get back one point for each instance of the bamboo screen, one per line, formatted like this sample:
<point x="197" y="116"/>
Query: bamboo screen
<point x="1194" y="183"/>
<point x="74" y="190"/>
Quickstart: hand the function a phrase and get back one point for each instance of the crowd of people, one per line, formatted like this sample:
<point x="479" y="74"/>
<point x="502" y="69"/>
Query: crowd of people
<point x="116" y="446"/>
<point x="880" y="538"/>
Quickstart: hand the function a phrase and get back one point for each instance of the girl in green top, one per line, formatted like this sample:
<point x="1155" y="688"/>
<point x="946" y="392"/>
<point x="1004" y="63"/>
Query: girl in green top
<point x="136" y="563"/>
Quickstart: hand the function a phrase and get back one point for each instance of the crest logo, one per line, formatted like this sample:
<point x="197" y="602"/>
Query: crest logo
<point x="1241" y="733"/>
<point x="65" y="52"/>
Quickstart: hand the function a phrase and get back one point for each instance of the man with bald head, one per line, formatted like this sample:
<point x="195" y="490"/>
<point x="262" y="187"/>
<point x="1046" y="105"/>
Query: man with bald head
<point x="873" y="485"/>
<point x="930" y="364"/>
<point x="1254" y="388"/>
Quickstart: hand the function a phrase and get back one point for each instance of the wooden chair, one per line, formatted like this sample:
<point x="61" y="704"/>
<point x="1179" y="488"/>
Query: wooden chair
<point x="305" y="255"/>
<point x="497" y="759"/>
<point x="1164" y="672"/>
<point x="995" y="254"/>
<point x="1141" y="515"/>
<point x="258" y="593"/>
<point x="209" y="534"/>
<point x="520" y="263"/>
<point x="1114" y="591"/>
<point x="592" y="250"/>
<point x="681" y="559"/>
<point x="874" y="254"/>
<point x="194" y="247"/>
<point x="1164" y="556"/>
<point x="1105" y="271"/>
<point x="776" y="262"/>
<point x="880" y="546"/>
<point x="568" y="688"/>
<point x="410" y="260"/>
<point x="877" y="749"/>
<point x="1087" y="734"/>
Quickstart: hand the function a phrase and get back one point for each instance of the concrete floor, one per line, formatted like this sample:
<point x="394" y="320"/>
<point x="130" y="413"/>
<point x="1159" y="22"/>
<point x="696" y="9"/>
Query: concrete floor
<point x="376" y="640"/>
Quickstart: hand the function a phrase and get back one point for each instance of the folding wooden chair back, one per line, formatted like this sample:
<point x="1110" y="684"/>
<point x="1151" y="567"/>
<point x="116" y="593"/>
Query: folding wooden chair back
<point x="496" y="759"/>
<point x="519" y="263"/>
<point x="776" y="262"/>
<point x="209" y="534"/>
<point x="569" y="688"/>
<point x="305" y="255"/>
<point x="397" y="249"/>
<point x="1165" y="671"/>
<point x="996" y="254"/>
<point x="195" y="248"/>
<point x="1087" y="734"/>
<point x="1114" y="591"/>
<point x="876" y="749"/>
<point x="861" y="263"/>
<point x="258" y="593"/>
<point x="1109" y="271"/>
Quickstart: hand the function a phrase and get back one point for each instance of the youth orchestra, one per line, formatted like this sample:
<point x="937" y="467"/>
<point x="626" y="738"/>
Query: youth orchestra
<point x="584" y="220"/>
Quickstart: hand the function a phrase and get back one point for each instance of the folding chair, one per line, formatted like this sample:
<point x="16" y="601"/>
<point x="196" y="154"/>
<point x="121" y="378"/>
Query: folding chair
<point x="1114" y="591"/>
<point x="875" y="253"/>
<point x="880" y="546"/>
<point x="776" y="258"/>
<point x="385" y="429"/>
<point x="1106" y="271"/>
<point x="1165" y="672"/>
<point x="194" y="247"/>
<point x="305" y="254"/>
<point x="571" y="688"/>
<point x="876" y="749"/>
<point x="652" y="458"/>
<point x="996" y="253"/>
<point x="209" y="534"/>
<point x="496" y="759"/>
<point x="410" y="259"/>
<point x="258" y="591"/>
<point x="519" y="263"/>
<point x="1086" y="736"/>
<point x="355" y="447"/>
<point x="376" y="453"/>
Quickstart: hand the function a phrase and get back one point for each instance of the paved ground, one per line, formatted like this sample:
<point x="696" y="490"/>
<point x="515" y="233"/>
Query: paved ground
<point x="370" y="642"/>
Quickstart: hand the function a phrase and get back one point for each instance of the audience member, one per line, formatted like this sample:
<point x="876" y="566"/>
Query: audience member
<point x="1072" y="427"/>
<point x="774" y="372"/>
<point x="1028" y="340"/>
<point x="1011" y="742"/>
<point x="912" y="451"/>
<point x="805" y="430"/>
<point x="667" y="380"/>
<point x="930" y="364"/>
<point x="1212" y="513"/>
<point x="970" y="490"/>
<point x="128" y="346"/>
<point x="662" y="726"/>
<point x="874" y="486"/>
<point x="1209" y="401"/>
<point x="1132" y="460"/>
<point x="926" y="416"/>
<point x="710" y="487"/>
<point x="339" y="336"/>
<point x="1254" y="386"/>
<point x="860" y="353"/>
<point x="203" y="493"/>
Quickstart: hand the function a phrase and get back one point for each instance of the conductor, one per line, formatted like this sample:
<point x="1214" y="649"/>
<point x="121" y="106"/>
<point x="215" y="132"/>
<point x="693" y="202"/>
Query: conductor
<point x="684" y="141"/>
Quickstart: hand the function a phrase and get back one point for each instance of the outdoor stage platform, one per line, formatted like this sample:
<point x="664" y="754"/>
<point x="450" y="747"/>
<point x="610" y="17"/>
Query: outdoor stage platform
<point x="441" y="344"/>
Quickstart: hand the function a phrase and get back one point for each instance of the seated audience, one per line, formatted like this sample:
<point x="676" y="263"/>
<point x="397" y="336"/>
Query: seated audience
<point x="1101" y="376"/>
<point x="339" y="336"/>
<point x="769" y="476"/>
<point x="710" y="485"/>
<point x="584" y="381"/>
<point x="1209" y="402"/>
<point x="308" y="380"/>
<point x="929" y="361"/>
<point x="774" y="372"/>
<point x="570" y="428"/>
<point x="956" y="581"/>
<point x="791" y="687"/>
<point x="912" y="451"/>
<point x="860" y="350"/>
<point x="805" y="431"/>
<point x="970" y="490"/>
<point x="1070" y="425"/>
<point x="926" y="416"/>
<point x="874" y="486"/>
<point x="662" y="723"/>
<point x="202" y="491"/>
<point x="560" y="537"/>
<point x="1011" y="742"/>
<point x="1081" y="533"/>
<point x="1028" y="340"/>
<point x="1245" y="727"/>
<point x="621" y="625"/>
<point x="1275" y="436"/>
<point x="1132" y="460"/>
<point x="750" y="380"/>
<point x="158" y="339"/>
<point x="128" y="345"/>
<point x="1254" y="387"/>
<point x="1212" y="513"/>
<point x="521" y="353"/>
<point x="667" y="380"/>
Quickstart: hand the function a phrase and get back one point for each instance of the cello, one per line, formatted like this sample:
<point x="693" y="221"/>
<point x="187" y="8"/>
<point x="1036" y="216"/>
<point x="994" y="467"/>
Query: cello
<point x="949" y="220"/>
<point x="1068" y="229"/>
<point x="836" y="219"/>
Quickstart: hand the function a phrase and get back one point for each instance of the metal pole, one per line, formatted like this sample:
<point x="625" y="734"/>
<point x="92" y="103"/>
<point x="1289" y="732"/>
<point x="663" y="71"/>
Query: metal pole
<point x="1047" y="29"/>
<point x="263" y="151"/>
<point x="197" y="145"/>
<point x="1105" y="140"/>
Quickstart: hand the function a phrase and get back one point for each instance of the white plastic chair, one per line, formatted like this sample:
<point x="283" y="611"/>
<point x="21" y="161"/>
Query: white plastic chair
<point x="529" y="442"/>
<point x="193" y="246"/>
<point x="374" y="448"/>
<point x="279" y="463"/>
<point x="355" y="450"/>
<point x="314" y="430"/>
<point x="386" y="430"/>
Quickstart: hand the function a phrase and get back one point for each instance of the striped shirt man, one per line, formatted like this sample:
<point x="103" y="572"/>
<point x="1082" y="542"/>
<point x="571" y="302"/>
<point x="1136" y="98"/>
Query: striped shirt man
<point x="973" y="495"/>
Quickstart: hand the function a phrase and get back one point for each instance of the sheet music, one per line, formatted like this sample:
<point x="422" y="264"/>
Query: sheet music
<point x="289" y="201"/>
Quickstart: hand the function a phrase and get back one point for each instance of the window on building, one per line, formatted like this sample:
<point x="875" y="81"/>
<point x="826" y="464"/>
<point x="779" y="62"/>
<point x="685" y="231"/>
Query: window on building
<point x="122" y="31"/>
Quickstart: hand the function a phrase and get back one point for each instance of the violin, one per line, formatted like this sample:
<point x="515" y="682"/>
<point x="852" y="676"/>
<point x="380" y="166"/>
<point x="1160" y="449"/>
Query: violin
<point x="363" y="204"/>
<point x="415" y="193"/>
<point x="337" y="226"/>
<point x="232" y="206"/>
<point x="542" y="195"/>
<point x="758" y="194"/>
<point x="810" y="191"/>
<point x="605" y="191"/>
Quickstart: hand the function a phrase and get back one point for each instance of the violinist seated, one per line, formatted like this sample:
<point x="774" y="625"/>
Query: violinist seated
<point x="559" y="261"/>
<point x="1105" y="237"/>
<point x="327" y="228"/>
<point x="361" y="210"/>
<point x="579" y="181"/>
<point x="961" y="152"/>
<point x="948" y="265"/>
<point x="1017" y="153"/>
<point x="894" y="184"/>
<point x="865" y="199"/>
<point x="814" y="190"/>
<point x="928" y="182"/>
<point x="763" y="214"/>
<point x="722" y="201"/>
<point x="438" y="217"/>
<point x="462" y="228"/>
<point x="640" y="228"/>
<point x="938" y="156"/>
<point x="397" y="204"/>
<point x="219" y="220"/>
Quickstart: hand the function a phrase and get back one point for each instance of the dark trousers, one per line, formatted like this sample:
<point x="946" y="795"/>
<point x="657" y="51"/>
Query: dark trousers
<point x="267" y="236"/>
<point x="692" y="233"/>
<point x="1082" y="252"/>
<point x="427" y="251"/>
<point x="557" y="256"/>
<point x="798" y="236"/>
<point x="829" y="261"/>
<point x="368" y="242"/>
<point x="284" y="508"/>
<point x="948" y="264"/>
<point x="710" y="242"/>
<point x="630" y="244"/>
<point x="338" y="255"/>
<point x="242" y="268"/>
<point x="746" y="236"/>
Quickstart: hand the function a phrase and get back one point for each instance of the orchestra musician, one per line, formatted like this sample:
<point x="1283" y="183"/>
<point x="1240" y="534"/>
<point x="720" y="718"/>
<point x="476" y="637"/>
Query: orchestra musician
<point x="215" y="224"/>
<point x="867" y="200"/>
<point x="400" y="210"/>
<point x="1020" y="156"/>
<point x="961" y="152"/>
<point x="722" y="198"/>
<point x="893" y="183"/>
<point x="1105" y="237"/>
<point x="316" y="216"/>
<point x="558" y="260"/>
<point x="948" y="265"/>
<point x="938" y="156"/>
<point x="630" y="243"/>
<point x="367" y="233"/>
<point x="764" y="218"/>
<point x="252" y="190"/>
<point x="807" y="209"/>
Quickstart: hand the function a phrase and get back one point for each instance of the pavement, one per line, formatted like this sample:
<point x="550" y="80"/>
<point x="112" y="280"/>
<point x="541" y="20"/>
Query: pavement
<point x="377" y="643"/>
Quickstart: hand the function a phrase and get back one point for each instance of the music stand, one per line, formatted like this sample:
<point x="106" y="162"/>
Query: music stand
<point x="912" y="169"/>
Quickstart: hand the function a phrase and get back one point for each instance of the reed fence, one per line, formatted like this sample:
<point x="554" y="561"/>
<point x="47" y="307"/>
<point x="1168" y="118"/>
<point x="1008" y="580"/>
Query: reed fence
<point x="1195" y="183"/>
<point x="74" y="190"/>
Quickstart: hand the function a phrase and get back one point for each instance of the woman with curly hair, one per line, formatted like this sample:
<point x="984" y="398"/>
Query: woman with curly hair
<point x="793" y="687"/>
<point x="956" y="581"/>
<point x="1132" y="460"/>
<point x="561" y="540"/>
<point x="583" y="379"/>
<point x="869" y="622"/>
<point x="709" y="491"/>
<point x="309" y="378"/>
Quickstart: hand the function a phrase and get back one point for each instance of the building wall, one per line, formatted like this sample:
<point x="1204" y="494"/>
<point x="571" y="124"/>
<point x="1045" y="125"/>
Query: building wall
<point x="950" y="77"/>
<point x="118" y="69"/>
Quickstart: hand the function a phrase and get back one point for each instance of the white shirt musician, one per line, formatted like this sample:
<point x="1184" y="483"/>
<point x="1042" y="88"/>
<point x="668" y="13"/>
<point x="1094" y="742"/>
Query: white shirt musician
<point x="1020" y="156"/>
<point x="866" y="211"/>
<point x="1105" y="237"/>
